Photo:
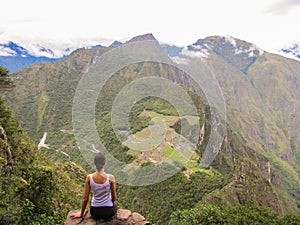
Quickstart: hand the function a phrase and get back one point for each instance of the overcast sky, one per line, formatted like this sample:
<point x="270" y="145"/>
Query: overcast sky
<point x="270" y="24"/>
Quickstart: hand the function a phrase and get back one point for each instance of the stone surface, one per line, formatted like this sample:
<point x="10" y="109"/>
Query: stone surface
<point x="122" y="217"/>
<point x="123" y="214"/>
<point x="137" y="217"/>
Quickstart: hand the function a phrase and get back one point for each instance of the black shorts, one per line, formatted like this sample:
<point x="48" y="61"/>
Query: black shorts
<point x="103" y="212"/>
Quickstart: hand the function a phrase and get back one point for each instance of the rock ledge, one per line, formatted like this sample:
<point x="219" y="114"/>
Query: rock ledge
<point x="122" y="217"/>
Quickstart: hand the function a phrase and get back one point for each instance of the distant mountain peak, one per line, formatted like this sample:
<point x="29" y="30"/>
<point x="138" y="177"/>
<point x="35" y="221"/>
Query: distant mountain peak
<point x="237" y="52"/>
<point x="291" y="51"/>
<point x="12" y="49"/>
<point x="115" y="43"/>
<point x="235" y="45"/>
<point x="94" y="46"/>
<point x="15" y="56"/>
<point x="144" y="37"/>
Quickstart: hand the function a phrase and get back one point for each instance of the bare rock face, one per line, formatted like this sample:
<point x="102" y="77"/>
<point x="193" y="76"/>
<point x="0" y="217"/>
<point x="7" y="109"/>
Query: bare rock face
<point x="122" y="217"/>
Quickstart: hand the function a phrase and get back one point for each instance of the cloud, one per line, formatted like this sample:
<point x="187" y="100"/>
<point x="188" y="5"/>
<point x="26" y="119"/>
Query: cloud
<point x="59" y="46"/>
<point x="2" y="30"/>
<point x="284" y="6"/>
<point x="196" y="52"/>
<point x="5" y="51"/>
<point x="179" y="60"/>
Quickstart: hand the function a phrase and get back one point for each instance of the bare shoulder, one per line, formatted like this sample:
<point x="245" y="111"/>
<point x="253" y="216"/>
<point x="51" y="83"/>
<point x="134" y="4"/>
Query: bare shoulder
<point x="87" y="179"/>
<point x="111" y="178"/>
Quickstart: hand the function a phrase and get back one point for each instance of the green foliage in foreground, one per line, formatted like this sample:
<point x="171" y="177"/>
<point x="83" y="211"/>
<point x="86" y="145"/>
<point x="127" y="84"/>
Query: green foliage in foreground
<point x="236" y="215"/>
<point x="32" y="189"/>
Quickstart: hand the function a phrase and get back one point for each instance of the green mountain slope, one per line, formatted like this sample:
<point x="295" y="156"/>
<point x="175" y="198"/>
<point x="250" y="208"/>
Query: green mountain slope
<point x="263" y="103"/>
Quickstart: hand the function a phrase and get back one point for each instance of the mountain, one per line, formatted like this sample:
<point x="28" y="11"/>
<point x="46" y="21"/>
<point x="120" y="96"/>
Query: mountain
<point x="35" y="190"/>
<point x="115" y="43"/>
<point x="262" y="97"/>
<point x="15" y="56"/>
<point x="259" y="155"/>
<point x="171" y="50"/>
<point x="291" y="51"/>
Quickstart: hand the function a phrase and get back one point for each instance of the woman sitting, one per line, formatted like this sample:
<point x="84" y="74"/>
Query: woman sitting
<point x="103" y="186"/>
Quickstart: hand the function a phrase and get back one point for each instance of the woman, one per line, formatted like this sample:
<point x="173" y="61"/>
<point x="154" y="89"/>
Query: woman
<point x="103" y="186"/>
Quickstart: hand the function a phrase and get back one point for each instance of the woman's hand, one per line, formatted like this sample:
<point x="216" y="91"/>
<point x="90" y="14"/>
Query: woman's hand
<point x="75" y="215"/>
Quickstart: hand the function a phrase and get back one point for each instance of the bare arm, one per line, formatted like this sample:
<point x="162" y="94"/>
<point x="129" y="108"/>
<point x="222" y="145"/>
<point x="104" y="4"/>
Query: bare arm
<point x="85" y="199"/>
<point x="113" y="188"/>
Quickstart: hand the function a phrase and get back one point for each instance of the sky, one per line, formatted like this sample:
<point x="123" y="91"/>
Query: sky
<point x="269" y="24"/>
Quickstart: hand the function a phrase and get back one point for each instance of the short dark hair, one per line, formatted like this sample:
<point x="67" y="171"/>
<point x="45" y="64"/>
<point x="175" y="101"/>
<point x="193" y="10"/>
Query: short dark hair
<point x="99" y="161"/>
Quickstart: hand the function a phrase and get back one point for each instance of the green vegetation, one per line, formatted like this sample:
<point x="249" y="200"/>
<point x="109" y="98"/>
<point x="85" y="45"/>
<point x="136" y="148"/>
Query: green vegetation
<point x="235" y="215"/>
<point x="33" y="190"/>
<point x="42" y="104"/>
<point x="260" y="137"/>
<point x="5" y="82"/>
<point x="192" y="186"/>
<point x="157" y="202"/>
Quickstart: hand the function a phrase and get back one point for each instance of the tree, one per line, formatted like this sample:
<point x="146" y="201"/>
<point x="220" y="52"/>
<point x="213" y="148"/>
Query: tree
<point x="5" y="81"/>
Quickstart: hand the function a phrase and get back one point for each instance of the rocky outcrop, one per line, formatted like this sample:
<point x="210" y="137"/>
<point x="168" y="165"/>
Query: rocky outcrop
<point x="266" y="168"/>
<point x="122" y="217"/>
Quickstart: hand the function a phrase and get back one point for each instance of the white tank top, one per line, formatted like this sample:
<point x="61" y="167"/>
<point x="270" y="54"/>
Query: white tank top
<point x="101" y="193"/>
